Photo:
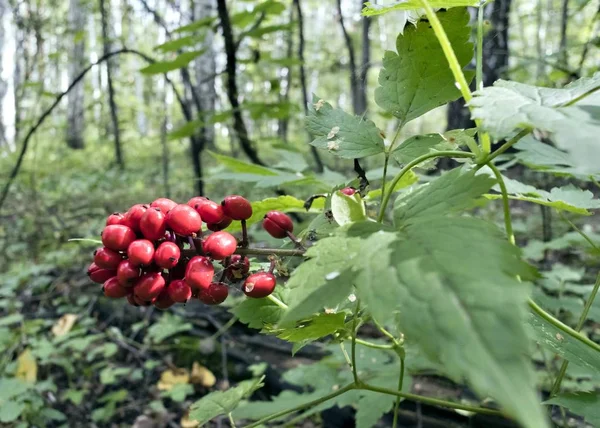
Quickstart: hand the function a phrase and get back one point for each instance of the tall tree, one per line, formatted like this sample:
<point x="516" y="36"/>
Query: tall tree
<point x="111" y="90"/>
<point x="354" y="84"/>
<point x="75" y="98"/>
<point x="495" y="59"/>
<point x="366" y="61"/>
<point x="3" y="84"/>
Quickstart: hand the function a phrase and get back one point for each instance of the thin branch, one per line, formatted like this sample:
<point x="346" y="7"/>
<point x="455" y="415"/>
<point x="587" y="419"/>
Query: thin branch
<point x="351" y="60"/>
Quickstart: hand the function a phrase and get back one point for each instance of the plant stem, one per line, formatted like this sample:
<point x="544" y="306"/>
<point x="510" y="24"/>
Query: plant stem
<point x="578" y="230"/>
<point x="282" y="252"/>
<point x="373" y="345"/>
<point x="277" y="302"/>
<point x="231" y="421"/>
<point x="580" y="322"/>
<point x="431" y="401"/>
<point x="244" y="234"/>
<point x="346" y="356"/>
<point x="411" y="165"/>
<point x="354" y="323"/>
<point x="505" y="203"/>
<point x="563" y="327"/>
<point x="385" y="332"/>
<point x="303" y="406"/>
<point x="479" y="59"/>
<point x="384" y="176"/>
<point x="398" y="399"/>
<point x="504" y="147"/>
<point x="224" y="328"/>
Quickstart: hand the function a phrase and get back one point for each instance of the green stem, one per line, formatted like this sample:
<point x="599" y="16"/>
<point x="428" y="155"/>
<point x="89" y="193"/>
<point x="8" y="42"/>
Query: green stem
<point x="580" y="322"/>
<point x="563" y="327"/>
<point x="504" y="147"/>
<point x="479" y="61"/>
<point x="353" y="354"/>
<point x="384" y="176"/>
<point x="398" y="399"/>
<point x="411" y="165"/>
<point x="223" y="328"/>
<point x="277" y="302"/>
<point x="578" y="230"/>
<point x="303" y="406"/>
<point x="385" y="332"/>
<point x="346" y="356"/>
<point x="373" y="345"/>
<point x="505" y="203"/>
<point x="231" y="421"/>
<point x="431" y="401"/>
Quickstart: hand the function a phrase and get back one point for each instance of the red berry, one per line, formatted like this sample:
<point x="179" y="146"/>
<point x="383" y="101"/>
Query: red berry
<point x="211" y="212"/>
<point x="131" y="300"/>
<point x="149" y="286"/>
<point x="215" y="294"/>
<point x="99" y="275"/>
<point x="163" y="301"/>
<point x="142" y="302"/>
<point x="164" y="204"/>
<point x="113" y="289"/>
<point x="349" y="191"/>
<point x="196" y="201"/>
<point x="106" y="258"/>
<point x="238" y="267"/>
<point x="259" y="284"/>
<point x="115" y="218"/>
<point x="141" y="252"/>
<point x="134" y="215"/>
<point x="179" y="291"/>
<point x="127" y="273"/>
<point x="237" y="207"/>
<point x="118" y="237"/>
<point x="167" y="255"/>
<point x="277" y="224"/>
<point x="184" y="220"/>
<point x="215" y="227"/>
<point x="219" y="245"/>
<point x="153" y="224"/>
<point x="199" y="273"/>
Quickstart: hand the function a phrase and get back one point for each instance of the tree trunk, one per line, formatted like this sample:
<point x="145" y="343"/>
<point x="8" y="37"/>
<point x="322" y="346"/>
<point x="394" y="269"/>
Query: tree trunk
<point x="366" y="62"/>
<point x="563" y="53"/>
<point x="283" y="123"/>
<point x="111" y="91"/>
<point x="354" y="85"/>
<point x="495" y="60"/>
<point x="75" y="99"/>
<point x="205" y="69"/>
<point x="3" y="84"/>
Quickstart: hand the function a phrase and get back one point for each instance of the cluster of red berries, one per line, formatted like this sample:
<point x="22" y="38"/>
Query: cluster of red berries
<point x="143" y="256"/>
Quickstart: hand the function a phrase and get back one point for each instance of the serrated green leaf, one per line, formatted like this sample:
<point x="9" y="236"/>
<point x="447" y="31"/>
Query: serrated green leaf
<point x="260" y="312"/>
<point x="168" y="325"/>
<point x="181" y="42"/>
<point x="586" y="404"/>
<point x="312" y="328"/>
<point x="237" y="165"/>
<point x="347" y="209"/>
<point x="571" y="115"/>
<point x="12" y="387"/>
<point x="454" y="191"/>
<point x="285" y="203"/>
<point x="222" y="402"/>
<point x="453" y="298"/>
<point x="286" y="400"/>
<point x="371" y="9"/>
<point x="342" y="134"/>
<point x="411" y="83"/>
<point x="550" y="337"/>
<point x="182" y="60"/>
<point x="420" y="145"/>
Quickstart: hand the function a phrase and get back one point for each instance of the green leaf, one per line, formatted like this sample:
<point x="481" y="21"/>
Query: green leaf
<point x="586" y="404"/>
<point x="186" y="130"/>
<point x="168" y="325"/>
<point x="255" y="410"/>
<point x="178" y="392"/>
<point x="413" y="83"/>
<point x="342" y="134"/>
<point x="571" y="115"/>
<point x="10" y="411"/>
<point x="237" y="165"/>
<point x="196" y="25"/>
<point x="550" y="337"/>
<point x="176" y="44"/>
<point x="11" y="319"/>
<point x="371" y="9"/>
<point x="313" y="328"/>
<point x="420" y="145"/>
<point x="268" y="29"/>
<point x="285" y="203"/>
<point x="407" y="179"/>
<point x="222" y="402"/>
<point x="260" y="312"/>
<point x="568" y="198"/>
<point x="347" y="209"/>
<point x="454" y="191"/>
<point x="12" y="387"/>
<point x="182" y="60"/>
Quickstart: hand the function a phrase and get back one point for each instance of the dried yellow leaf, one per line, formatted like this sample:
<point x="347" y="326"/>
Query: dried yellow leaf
<point x="170" y="378"/>
<point x="64" y="325"/>
<point x="202" y="376"/>
<point x="26" y="367"/>
<point x="186" y="422"/>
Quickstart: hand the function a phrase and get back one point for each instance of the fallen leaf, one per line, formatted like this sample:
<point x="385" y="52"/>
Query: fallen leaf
<point x="26" y="367"/>
<point x="202" y="376"/>
<point x="64" y="325"/>
<point x="186" y="422"/>
<point x="170" y="378"/>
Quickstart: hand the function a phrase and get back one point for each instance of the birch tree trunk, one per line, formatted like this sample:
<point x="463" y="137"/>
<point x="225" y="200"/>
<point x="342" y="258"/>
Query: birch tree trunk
<point x="75" y="98"/>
